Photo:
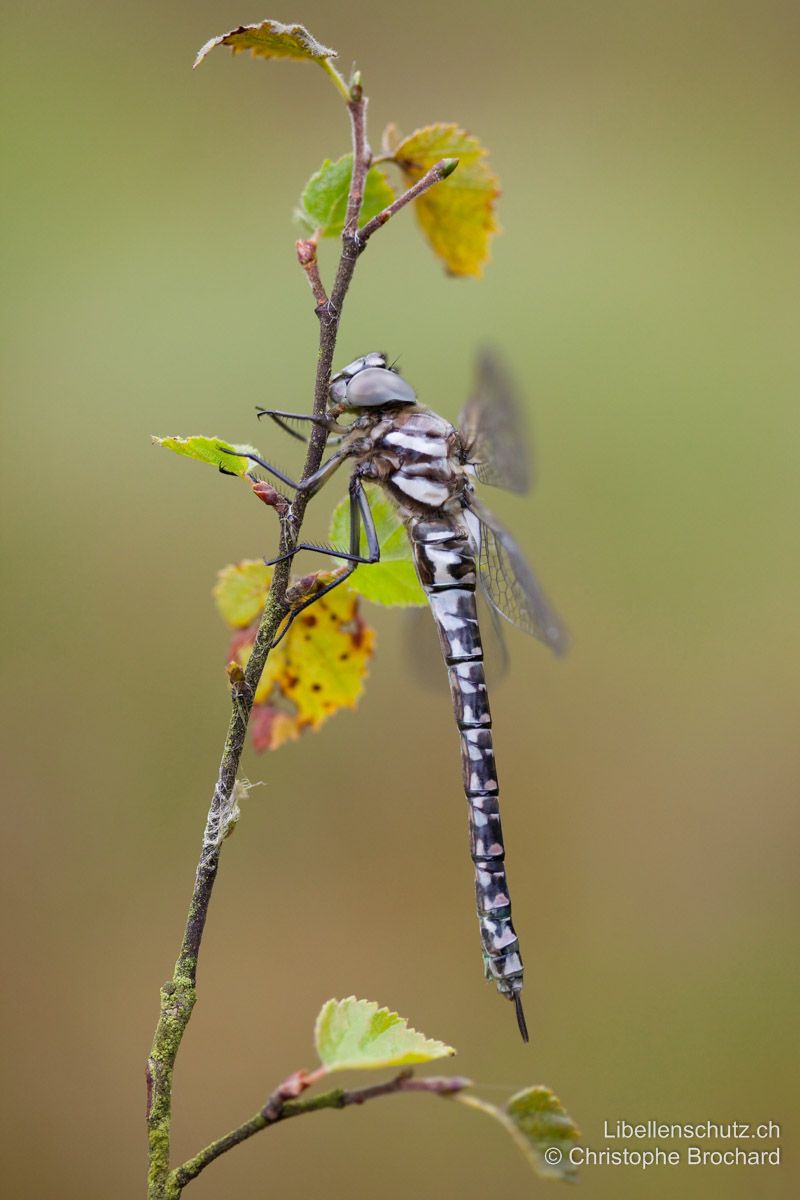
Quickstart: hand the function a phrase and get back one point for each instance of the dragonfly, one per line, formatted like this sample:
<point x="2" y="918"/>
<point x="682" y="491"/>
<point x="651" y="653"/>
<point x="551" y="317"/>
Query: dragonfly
<point x="429" y="468"/>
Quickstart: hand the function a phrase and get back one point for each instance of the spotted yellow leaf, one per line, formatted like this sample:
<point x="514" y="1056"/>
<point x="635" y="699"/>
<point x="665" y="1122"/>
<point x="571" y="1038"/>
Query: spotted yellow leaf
<point x="319" y="667"/>
<point x="457" y="215"/>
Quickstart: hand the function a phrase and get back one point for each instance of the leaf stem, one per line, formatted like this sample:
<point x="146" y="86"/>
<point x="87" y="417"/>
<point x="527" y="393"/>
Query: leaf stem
<point x="336" y="78"/>
<point x="362" y="157"/>
<point x="336" y="1098"/>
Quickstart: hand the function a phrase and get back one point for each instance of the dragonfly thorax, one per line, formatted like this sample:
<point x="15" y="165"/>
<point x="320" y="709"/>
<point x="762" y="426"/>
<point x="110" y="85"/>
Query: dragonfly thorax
<point x="368" y="382"/>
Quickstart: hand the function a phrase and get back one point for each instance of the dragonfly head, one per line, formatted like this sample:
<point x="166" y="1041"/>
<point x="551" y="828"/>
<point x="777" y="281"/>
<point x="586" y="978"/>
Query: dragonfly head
<point x="368" y="382"/>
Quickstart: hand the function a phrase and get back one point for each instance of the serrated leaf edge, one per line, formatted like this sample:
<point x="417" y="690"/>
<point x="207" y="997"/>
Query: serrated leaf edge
<point x="317" y="52"/>
<point x="448" y="1051"/>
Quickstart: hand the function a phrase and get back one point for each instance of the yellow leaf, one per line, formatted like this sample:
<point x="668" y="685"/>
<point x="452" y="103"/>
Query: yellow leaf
<point x="270" y="39"/>
<point x="240" y="591"/>
<point x="457" y="215"/>
<point x="319" y="667"/>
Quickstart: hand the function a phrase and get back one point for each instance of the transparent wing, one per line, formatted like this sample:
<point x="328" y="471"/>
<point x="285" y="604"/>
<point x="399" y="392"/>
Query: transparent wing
<point x="508" y="582"/>
<point x="492" y="430"/>
<point x="422" y="654"/>
<point x="495" y="648"/>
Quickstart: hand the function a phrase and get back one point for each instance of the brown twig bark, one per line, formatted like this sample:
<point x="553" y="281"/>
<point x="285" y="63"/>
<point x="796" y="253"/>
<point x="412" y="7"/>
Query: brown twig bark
<point x="439" y="171"/>
<point x="281" y="1106"/>
<point x="178" y="995"/>
<point x="306" y="249"/>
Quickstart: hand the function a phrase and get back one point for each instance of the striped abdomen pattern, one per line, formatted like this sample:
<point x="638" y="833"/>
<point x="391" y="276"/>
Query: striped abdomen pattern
<point x="445" y="563"/>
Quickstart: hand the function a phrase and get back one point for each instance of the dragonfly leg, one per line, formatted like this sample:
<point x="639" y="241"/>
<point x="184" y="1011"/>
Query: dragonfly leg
<point x="360" y="514"/>
<point x="280" y="418"/>
<point x="330" y="551"/>
<point x="314" y="482"/>
<point x="272" y="470"/>
<point x="279" y="414"/>
<point x="281" y="423"/>
<point x="332" y="441"/>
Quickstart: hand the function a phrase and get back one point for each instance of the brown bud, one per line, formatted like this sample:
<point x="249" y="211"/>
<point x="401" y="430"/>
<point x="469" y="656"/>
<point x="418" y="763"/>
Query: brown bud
<point x="268" y="495"/>
<point x="235" y="673"/>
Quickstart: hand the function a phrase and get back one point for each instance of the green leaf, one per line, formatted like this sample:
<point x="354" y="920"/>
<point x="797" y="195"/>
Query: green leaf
<point x="211" y="450"/>
<point x="392" y="581"/>
<point x="457" y="215"/>
<point x="541" y="1128"/>
<point x="270" y="39"/>
<point x="353" y="1034"/>
<point x="323" y="204"/>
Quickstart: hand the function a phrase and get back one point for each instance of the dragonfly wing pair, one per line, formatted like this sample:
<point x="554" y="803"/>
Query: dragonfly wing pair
<point x="492" y="429"/>
<point x="494" y="448"/>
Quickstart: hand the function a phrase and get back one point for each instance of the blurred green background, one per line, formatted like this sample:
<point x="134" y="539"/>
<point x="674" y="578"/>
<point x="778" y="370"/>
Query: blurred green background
<point x="645" y="292"/>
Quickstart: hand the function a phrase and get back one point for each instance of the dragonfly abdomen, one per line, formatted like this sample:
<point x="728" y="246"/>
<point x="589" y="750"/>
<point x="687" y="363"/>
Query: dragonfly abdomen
<point x="445" y="563"/>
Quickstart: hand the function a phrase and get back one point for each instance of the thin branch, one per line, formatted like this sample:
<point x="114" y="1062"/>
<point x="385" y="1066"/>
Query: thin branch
<point x="178" y="995"/>
<point x="440" y="171"/>
<point x="436" y="1085"/>
<point x="362" y="156"/>
<point x="336" y="1098"/>
<point x="307" y="257"/>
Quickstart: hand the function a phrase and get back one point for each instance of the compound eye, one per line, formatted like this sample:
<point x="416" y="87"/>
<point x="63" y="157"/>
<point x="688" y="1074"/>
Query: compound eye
<point x="375" y="386"/>
<point x="337" y="392"/>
